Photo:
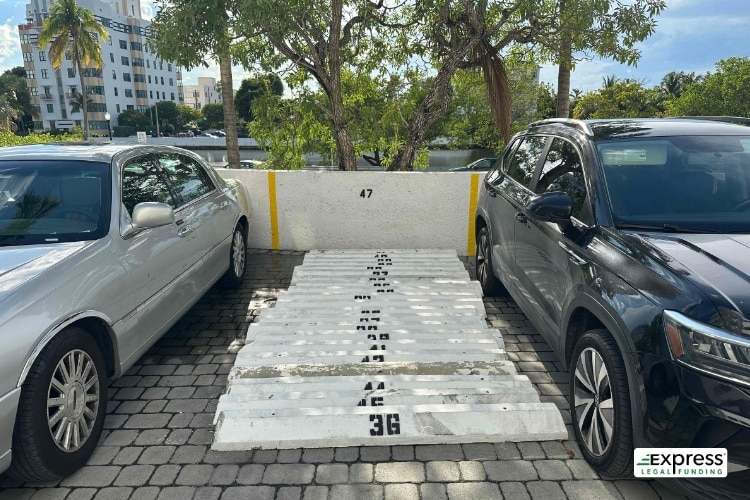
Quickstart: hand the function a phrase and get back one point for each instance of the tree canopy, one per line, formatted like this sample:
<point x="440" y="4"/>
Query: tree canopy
<point x="725" y="92"/>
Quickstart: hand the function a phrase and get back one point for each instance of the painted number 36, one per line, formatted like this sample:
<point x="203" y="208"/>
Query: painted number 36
<point x="392" y="425"/>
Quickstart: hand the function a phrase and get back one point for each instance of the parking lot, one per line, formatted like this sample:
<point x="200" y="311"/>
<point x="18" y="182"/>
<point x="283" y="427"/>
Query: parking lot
<point x="158" y="432"/>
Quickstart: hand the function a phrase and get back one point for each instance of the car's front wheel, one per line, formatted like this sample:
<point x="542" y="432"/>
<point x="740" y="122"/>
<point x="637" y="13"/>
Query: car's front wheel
<point x="600" y="404"/>
<point x="483" y="260"/>
<point x="237" y="260"/>
<point x="61" y="410"/>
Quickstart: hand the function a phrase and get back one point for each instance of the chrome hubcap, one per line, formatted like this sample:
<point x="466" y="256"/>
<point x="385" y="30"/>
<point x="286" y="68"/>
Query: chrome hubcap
<point x="73" y="400"/>
<point x="238" y="254"/>
<point x="594" y="405"/>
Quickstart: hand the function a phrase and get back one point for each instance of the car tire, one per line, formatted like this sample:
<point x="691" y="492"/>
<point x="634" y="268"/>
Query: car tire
<point x="61" y="409"/>
<point x="235" y="275"/>
<point x="491" y="286"/>
<point x="601" y="412"/>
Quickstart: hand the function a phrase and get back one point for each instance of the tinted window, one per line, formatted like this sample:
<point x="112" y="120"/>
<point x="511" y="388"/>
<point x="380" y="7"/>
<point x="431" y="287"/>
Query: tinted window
<point x="142" y="181"/>
<point x="188" y="179"/>
<point x="53" y="201"/>
<point x="524" y="160"/>
<point x="562" y="171"/>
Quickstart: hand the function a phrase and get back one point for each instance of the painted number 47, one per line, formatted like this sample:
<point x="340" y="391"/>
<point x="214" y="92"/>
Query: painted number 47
<point x="365" y="193"/>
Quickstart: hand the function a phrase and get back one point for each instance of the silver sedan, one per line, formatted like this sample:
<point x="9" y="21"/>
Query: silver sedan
<point x="102" y="249"/>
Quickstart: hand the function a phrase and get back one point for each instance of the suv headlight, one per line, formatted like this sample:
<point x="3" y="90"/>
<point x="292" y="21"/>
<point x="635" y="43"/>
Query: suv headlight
<point x="708" y="349"/>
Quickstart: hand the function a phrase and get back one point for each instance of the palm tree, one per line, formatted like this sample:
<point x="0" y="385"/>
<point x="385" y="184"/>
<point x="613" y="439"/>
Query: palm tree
<point x="609" y="81"/>
<point x="76" y="102"/>
<point x="76" y="33"/>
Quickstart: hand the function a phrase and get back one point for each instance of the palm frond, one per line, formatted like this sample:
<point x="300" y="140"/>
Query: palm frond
<point x="498" y="86"/>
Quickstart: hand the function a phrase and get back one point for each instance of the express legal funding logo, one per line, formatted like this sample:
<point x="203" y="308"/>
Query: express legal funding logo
<point x="680" y="462"/>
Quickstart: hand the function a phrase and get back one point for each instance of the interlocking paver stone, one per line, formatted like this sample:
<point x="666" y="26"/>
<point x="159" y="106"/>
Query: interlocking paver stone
<point x="318" y="455"/>
<point x="507" y="451"/>
<point x="289" y="456"/>
<point x="289" y="493"/>
<point x="547" y="490"/>
<point x="473" y="491"/>
<point x="400" y="472"/>
<point x="401" y="492"/>
<point x="553" y="470"/>
<point x="514" y="491"/>
<point x="358" y="491"/>
<point x="165" y="475"/>
<point x="121" y="438"/>
<point x="145" y="493"/>
<point x="127" y="455"/>
<point x="375" y="453"/>
<point x="195" y="475"/>
<point x="442" y="472"/>
<point x="428" y="453"/>
<point x="589" y="490"/>
<point x="315" y="493"/>
<point x="332" y="474"/>
<point x="289" y="474"/>
<point x="510" y="470"/>
<point x="479" y="451"/>
<point x="472" y="471"/>
<point x="134" y="475"/>
<point x="188" y="454"/>
<point x="156" y="455"/>
<point x="224" y="475"/>
<point x="530" y="451"/>
<point x="50" y="494"/>
<point x="636" y="489"/>
<point x="433" y="491"/>
<point x="250" y="474"/>
<point x="92" y="476"/>
<point x="361" y="473"/>
<point x="581" y="469"/>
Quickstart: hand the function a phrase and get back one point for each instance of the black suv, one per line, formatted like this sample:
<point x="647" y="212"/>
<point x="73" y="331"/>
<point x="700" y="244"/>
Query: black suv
<point x="627" y="245"/>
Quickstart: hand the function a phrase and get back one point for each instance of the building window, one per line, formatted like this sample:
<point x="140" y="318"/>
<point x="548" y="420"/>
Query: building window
<point x="68" y="58"/>
<point x="161" y="66"/>
<point x="95" y="89"/>
<point x="123" y="44"/>
<point x="47" y="90"/>
<point x="115" y="91"/>
<point x="30" y="75"/>
<point x="162" y="80"/>
<point x="171" y="82"/>
<point x="27" y="57"/>
<point x="141" y="94"/>
<point x="130" y="106"/>
<point x="169" y="67"/>
<point x="151" y="94"/>
<point x="149" y="78"/>
<point x="97" y="107"/>
<point x="33" y="91"/>
<point x="136" y="46"/>
<point x="140" y="78"/>
<point x="171" y="95"/>
<point x="50" y="108"/>
<point x="128" y="93"/>
<point x="45" y="74"/>
<point x="126" y="77"/>
<point x="109" y="40"/>
<point x="124" y="61"/>
<point x="148" y="64"/>
<point x="142" y="108"/>
<point x="137" y="62"/>
<point x="114" y="75"/>
<point x="25" y="38"/>
<point x="111" y="57"/>
<point x="38" y="109"/>
<point x="71" y="73"/>
<point x="117" y="107"/>
<point x="42" y="55"/>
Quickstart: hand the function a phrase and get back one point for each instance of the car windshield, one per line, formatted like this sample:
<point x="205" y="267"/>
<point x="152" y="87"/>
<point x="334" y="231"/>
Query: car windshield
<point x="53" y="201"/>
<point x="680" y="183"/>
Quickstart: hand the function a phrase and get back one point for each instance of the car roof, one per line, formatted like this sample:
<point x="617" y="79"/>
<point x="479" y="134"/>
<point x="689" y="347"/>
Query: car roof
<point x="80" y="151"/>
<point x="624" y="128"/>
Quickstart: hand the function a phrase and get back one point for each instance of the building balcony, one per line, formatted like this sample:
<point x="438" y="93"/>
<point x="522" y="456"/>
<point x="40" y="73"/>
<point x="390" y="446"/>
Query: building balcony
<point x="46" y="97"/>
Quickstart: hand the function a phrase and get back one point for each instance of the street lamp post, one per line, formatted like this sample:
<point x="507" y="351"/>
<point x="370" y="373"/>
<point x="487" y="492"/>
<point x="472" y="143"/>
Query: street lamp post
<point x="109" y="125"/>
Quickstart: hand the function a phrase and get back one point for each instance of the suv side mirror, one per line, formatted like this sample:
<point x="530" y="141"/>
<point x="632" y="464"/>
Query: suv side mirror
<point x="553" y="207"/>
<point x="147" y="215"/>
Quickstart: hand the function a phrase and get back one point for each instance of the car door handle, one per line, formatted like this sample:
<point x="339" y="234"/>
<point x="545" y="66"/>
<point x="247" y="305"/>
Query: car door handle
<point x="574" y="258"/>
<point x="184" y="231"/>
<point x="521" y="217"/>
<point x="224" y="205"/>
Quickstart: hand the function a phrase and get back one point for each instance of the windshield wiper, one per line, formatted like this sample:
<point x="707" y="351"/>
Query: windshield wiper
<point x="668" y="228"/>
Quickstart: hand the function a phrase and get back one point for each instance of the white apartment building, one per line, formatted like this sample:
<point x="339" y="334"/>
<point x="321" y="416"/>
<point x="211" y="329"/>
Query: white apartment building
<point x="206" y="92"/>
<point x="130" y="77"/>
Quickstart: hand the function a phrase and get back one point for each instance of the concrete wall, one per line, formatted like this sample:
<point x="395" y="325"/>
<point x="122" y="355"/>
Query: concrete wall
<point x="303" y="210"/>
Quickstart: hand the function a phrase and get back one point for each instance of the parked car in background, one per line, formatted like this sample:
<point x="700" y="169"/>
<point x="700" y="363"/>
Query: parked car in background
<point x="249" y="164"/>
<point x="481" y="165"/>
<point x="102" y="249"/>
<point x="627" y="244"/>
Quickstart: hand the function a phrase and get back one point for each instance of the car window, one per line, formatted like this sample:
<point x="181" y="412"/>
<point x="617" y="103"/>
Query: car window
<point x="562" y="171"/>
<point x="142" y="181"/>
<point x="493" y="176"/>
<point x="523" y="163"/>
<point x="188" y="179"/>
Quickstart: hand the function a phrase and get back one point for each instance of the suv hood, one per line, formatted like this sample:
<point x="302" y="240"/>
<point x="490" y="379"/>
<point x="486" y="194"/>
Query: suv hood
<point x="718" y="264"/>
<point x="22" y="263"/>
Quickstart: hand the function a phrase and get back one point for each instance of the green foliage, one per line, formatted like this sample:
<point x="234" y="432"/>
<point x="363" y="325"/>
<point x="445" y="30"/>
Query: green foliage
<point x="621" y="99"/>
<point x="726" y="92"/>
<point x="250" y="88"/>
<point x="134" y="118"/>
<point x="168" y="114"/>
<point x="76" y="102"/>
<point x="187" y="115"/>
<point x="10" y="139"/>
<point x="212" y="116"/>
<point x="15" y="100"/>
<point x="120" y="131"/>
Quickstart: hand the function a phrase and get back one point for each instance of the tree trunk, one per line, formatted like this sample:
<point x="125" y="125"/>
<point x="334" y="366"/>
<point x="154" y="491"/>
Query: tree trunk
<point x="344" y="144"/>
<point x="563" y="69"/>
<point x="84" y="104"/>
<point x="230" y="118"/>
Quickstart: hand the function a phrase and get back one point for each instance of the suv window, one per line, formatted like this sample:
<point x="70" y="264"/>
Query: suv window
<point x="143" y="181"/>
<point x="523" y="163"/>
<point x="562" y="171"/>
<point x="188" y="179"/>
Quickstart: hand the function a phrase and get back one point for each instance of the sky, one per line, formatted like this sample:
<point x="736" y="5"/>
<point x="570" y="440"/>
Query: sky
<point x="692" y="35"/>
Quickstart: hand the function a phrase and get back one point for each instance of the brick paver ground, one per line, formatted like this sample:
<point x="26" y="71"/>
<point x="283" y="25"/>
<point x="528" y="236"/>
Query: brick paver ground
<point x="158" y="432"/>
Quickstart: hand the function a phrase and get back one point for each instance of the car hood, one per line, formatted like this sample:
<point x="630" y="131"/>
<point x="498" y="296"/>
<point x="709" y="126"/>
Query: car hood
<point x="22" y="263"/>
<point x="718" y="264"/>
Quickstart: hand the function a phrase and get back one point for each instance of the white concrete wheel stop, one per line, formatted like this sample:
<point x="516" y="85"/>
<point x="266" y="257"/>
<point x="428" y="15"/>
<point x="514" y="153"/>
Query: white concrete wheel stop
<point x="378" y="347"/>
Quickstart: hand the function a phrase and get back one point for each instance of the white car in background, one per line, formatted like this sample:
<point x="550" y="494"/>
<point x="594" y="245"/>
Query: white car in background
<point x="102" y="249"/>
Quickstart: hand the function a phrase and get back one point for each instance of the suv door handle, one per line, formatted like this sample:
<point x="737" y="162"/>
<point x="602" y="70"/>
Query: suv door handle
<point x="184" y="231"/>
<point x="521" y="217"/>
<point x="224" y="205"/>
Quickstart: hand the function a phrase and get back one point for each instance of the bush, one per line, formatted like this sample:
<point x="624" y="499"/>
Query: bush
<point x="123" y="131"/>
<point x="11" y="139"/>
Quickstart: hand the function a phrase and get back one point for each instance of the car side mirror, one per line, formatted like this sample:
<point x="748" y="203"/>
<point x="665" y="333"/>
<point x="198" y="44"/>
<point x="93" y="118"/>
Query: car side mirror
<point x="553" y="207"/>
<point x="147" y="215"/>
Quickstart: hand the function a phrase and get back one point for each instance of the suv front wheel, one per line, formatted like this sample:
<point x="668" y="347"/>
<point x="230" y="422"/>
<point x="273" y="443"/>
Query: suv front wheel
<point x="483" y="260"/>
<point x="600" y="404"/>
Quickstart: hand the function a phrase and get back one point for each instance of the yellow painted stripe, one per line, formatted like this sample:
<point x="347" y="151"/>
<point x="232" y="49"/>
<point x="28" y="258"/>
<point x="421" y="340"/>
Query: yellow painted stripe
<point x="273" y="211"/>
<point x="473" y="194"/>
